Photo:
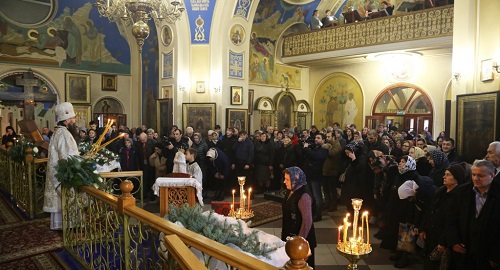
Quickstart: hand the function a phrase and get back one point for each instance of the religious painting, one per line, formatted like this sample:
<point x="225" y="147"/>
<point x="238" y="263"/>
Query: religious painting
<point x="166" y="91"/>
<point x="108" y="105"/>
<point x="165" y="117"/>
<point x="168" y="65"/>
<point x="487" y="70"/>
<point x="236" y="61"/>
<point x="199" y="116"/>
<point x="109" y="82"/>
<point x="338" y="99"/>
<point x="236" y="95"/>
<point x="200" y="87"/>
<point x="285" y="112"/>
<point x="77" y="88"/>
<point x="250" y="100"/>
<point x="477" y="124"/>
<point x="237" y="118"/>
<point x="265" y="120"/>
<point x="166" y="35"/>
<point x="237" y="34"/>
<point x="83" y="115"/>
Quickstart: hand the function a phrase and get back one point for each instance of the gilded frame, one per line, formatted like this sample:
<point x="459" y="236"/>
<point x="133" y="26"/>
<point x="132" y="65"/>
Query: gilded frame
<point x="477" y="124"/>
<point x="200" y="116"/>
<point x="109" y="82"/>
<point x="77" y="88"/>
<point x="236" y="95"/>
<point x="83" y="115"/>
<point x="237" y="118"/>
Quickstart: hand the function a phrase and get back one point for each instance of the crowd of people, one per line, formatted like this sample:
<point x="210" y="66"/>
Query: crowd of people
<point x="402" y="177"/>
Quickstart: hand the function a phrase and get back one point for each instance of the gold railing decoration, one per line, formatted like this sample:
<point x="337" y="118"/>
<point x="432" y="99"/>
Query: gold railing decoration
<point x="24" y="180"/>
<point x="428" y="23"/>
<point x="113" y="180"/>
<point x="107" y="232"/>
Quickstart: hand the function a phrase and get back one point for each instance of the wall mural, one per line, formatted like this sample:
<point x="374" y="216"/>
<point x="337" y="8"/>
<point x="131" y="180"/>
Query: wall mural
<point x="77" y="38"/>
<point x="272" y="18"/>
<point x="338" y="99"/>
<point x="242" y="8"/>
<point x="150" y="74"/>
<point x="200" y="19"/>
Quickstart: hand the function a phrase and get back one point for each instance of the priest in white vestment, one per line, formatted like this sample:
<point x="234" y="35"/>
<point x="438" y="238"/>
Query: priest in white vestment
<point x="62" y="145"/>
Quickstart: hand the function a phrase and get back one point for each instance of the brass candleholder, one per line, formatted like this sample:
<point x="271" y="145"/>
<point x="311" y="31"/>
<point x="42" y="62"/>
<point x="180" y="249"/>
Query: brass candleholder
<point x="243" y="213"/>
<point x="355" y="247"/>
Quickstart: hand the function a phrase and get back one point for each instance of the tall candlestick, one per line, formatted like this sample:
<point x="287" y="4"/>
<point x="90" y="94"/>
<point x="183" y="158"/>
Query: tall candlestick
<point x="233" y="195"/>
<point x="367" y="230"/>
<point x="249" y="193"/>
<point x="338" y="235"/>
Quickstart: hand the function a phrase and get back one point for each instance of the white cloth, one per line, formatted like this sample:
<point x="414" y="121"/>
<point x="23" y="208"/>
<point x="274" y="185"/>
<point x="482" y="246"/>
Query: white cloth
<point x="278" y="258"/>
<point x="179" y="163"/>
<point x="62" y="145"/>
<point x="195" y="171"/>
<point x="178" y="182"/>
<point x="108" y="166"/>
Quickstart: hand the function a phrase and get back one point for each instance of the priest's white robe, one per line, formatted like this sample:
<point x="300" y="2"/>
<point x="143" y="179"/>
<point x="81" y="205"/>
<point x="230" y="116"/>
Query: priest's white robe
<point x="62" y="145"/>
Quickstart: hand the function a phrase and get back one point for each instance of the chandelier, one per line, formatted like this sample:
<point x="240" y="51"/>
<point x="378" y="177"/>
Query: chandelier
<point x="137" y="13"/>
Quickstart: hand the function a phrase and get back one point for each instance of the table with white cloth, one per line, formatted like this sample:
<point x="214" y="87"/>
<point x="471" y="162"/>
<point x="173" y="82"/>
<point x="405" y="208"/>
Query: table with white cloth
<point x="177" y="191"/>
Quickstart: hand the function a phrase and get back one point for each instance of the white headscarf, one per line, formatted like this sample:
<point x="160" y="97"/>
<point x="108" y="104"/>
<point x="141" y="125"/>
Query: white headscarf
<point x="407" y="189"/>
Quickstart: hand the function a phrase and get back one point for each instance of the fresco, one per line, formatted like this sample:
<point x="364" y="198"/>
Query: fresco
<point x="242" y="8"/>
<point x="77" y="38"/>
<point x="272" y="18"/>
<point x="150" y="74"/>
<point x="200" y="14"/>
<point x="338" y="99"/>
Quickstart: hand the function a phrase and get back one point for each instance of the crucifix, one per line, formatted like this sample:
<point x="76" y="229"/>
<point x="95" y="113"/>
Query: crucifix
<point x="28" y="82"/>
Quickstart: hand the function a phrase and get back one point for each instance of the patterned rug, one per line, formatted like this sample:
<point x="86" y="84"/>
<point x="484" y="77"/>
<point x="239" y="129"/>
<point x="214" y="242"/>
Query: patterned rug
<point x="25" y="239"/>
<point x="8" y="214"/>
<point x="48" y="260"/>
<point x="265" y="212"/>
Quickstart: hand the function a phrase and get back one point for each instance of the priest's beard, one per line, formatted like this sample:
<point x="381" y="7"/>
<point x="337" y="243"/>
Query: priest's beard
<point x="74" y="131"/>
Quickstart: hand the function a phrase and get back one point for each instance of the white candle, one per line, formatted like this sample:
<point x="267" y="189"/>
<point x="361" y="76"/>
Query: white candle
<point x="233" y="195"/>
<point x="367" y="230"/>
<point x="249" y="192"/>
<point x="338" y="235"/>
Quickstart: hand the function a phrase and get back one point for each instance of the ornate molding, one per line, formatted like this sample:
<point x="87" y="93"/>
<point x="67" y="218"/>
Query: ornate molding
<point x="428" y="23"/>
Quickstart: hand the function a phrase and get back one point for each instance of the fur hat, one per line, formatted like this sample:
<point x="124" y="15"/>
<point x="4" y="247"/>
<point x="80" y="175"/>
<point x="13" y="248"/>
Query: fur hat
<point x="64" y="111"/>
<point x="458" y="172"/>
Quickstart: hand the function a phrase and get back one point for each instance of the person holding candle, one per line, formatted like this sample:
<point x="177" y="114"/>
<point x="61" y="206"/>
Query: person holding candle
<point x="298" y="207"/>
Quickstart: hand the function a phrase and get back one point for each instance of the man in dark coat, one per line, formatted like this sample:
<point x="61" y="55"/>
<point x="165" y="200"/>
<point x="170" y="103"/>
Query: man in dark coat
<point x="473" y="229"/>
<point x="144" y="149"/>
<point x="314" y="158"/>
<point x="493" y="156"/>
<point x="243" y="158"/>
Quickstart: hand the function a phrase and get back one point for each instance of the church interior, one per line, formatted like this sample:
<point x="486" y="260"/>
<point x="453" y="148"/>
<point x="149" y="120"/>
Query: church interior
<point x="430" y="66"/>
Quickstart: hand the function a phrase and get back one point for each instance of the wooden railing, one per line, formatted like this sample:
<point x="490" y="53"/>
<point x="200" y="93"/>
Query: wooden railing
<point x="428" y="23"/>
<point x="103" y="232"/>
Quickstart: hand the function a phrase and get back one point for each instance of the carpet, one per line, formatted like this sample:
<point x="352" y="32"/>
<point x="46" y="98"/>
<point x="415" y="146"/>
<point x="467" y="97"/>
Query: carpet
<point x="265" y="212"/>
<point x="48" y="260"/>
<point x="24" y="239"/>
<point x="8" y="214"/>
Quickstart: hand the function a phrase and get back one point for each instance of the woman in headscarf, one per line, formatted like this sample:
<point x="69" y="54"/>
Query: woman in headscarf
<point x="298" y="207"/>
<point x="423" y="166"/>
<point x="401" y="210"/>
<point x="439" y="163"/>
<point x="356" y="184"/>
<point x="433" y="226"/>
<point x="10" y="136"/>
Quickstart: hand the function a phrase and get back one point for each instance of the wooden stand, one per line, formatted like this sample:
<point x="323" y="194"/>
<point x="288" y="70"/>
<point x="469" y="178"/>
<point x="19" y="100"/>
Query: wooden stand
<point x="176" y="195"/>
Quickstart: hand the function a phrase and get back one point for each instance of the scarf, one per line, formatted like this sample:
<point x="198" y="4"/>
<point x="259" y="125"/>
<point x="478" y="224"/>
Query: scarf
<point x="297" y="177"/>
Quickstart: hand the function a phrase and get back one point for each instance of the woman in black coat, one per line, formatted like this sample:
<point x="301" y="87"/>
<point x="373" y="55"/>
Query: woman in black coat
<point x="439" y="163"/>
<point x="356" y="185"/>
<point x="263" y="161"/>
<point x="10" y="136"/>
<point x="433" y="229"/>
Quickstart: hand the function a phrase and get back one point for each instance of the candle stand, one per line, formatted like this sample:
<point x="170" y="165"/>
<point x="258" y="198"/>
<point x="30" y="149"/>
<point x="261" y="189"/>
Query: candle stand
<point x="354" y="248"/>
<point x="243" y="213"/>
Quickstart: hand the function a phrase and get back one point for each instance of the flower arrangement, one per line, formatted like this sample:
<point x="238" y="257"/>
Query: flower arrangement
<point x="103" y="156"/>
<point x="17" y="152"/>
<point x="76" y="171"/>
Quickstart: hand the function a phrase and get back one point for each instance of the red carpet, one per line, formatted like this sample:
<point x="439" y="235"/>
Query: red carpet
<point x="25" y="239"/>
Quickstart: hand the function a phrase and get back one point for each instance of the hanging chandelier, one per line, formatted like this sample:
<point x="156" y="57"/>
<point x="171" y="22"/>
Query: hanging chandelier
<point x="137" y="13"/>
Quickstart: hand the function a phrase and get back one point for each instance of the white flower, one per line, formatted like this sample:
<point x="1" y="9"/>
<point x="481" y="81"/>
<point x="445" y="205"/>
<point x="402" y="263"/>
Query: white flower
<point x="35" y="149"/>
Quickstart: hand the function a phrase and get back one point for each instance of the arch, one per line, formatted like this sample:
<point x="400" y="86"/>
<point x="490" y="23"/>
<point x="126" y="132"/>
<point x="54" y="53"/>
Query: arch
<point x="265" y="104"/>
<point x="298" y="27"/>
<point x="404" y="104"/>
<point x="115" y="104"/>
<point x="286" y="110"/>
<point x="338" y="98"/>
<point x="46" y="86"/>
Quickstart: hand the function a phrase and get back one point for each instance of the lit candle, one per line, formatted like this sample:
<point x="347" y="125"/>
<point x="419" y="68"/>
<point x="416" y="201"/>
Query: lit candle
<point x="231" y="213"/>
<point x="367" y="230"/>
<point x="249" y="192"/>
<point x="233" y="195"/>
<point x="346" y="228"/>
<point x="363" y="225"/>
<point x="338" y="235"/>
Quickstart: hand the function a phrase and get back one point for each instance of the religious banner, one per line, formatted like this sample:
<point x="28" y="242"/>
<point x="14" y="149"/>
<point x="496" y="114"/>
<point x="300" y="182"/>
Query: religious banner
<point x="236" y="65"/>
<point x="168" y="65"/>
<point x="242" y="8"/>
<point x="200" y="14"/>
